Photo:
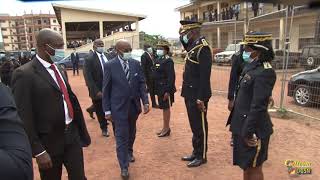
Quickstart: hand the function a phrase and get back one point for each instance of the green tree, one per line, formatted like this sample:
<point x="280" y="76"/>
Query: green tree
<point x="151" y="40"/>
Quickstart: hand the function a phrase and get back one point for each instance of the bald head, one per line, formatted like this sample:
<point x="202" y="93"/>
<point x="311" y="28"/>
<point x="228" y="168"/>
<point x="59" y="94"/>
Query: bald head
<point x="47" y="42"/>
<point x="123" y="46"/>
<point x="48" y="36"/>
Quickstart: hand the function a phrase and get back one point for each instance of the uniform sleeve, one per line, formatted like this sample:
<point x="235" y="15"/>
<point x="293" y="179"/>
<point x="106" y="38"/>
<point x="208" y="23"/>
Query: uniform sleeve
<point x="22" y="91"/>
<point x="205" y="63"/>
<point x="262" y="90"/>
<point x="169" y="70"/>
<point x="144" y="65"/>
<point x="233" y="77"/>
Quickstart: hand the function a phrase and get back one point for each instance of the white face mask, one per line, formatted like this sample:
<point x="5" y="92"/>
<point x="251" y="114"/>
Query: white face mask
<point x="100" y="49"/>
<point x="150" y="50"/>
<point x="160" y="52"/>
<point x="126" y="56"/>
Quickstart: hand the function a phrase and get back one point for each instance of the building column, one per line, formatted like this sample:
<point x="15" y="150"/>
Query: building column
<point x="137" y="26"/>
<point x="64" y="33"/>
<point x="101" y="29"/>
<point x="198" y="12"/>
<point x="281" y="32"/>
<point x="294" y="40"/>
<point x="218" y="9"/>
<point x="218" y="38"/>
<point x="210" y="38"/>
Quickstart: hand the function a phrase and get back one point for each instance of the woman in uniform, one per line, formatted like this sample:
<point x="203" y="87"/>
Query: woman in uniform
<point x="249" y="120"/>
<point x="164" y="84"/>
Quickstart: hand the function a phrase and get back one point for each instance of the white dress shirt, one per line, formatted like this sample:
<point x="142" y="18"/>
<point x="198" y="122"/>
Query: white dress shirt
<point x="100" y="60"/>
<point x="52" y="74"/>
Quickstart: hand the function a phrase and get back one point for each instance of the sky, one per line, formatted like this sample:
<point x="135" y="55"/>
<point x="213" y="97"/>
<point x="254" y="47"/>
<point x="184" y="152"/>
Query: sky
<point x="162" y="19"/>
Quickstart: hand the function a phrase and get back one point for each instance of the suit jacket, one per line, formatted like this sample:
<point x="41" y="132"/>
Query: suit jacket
<point x="15" y="151"/>
<point x="236" y="69"/>
<point x="250" y="112"/>
<point x="118" y="93"/>
<point x="93" y="74"/>
<point x="40" y="105"/>
<point x="74" y="58"/>
<point x="147" y="63"/>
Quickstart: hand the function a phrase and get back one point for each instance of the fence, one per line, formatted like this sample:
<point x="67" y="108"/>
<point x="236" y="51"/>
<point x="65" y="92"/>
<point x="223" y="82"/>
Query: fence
<point x="297" y="60"/>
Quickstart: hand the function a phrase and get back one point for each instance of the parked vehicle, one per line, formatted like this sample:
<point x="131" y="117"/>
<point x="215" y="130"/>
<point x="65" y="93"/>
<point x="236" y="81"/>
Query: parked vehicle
<point x="225" y="56"/>
<point x="310" y="57"/>
<point x="66" y="63"/>
<point x="293" y="60"/>
<point x="304" y="87"/>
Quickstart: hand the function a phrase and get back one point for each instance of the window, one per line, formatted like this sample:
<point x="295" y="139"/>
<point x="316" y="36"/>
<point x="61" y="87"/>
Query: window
<point x="2" y="21"/>
<point x="30" y="30"/>
<point x="30" y="38"/>
<point x="39" y="21"/>
<point x="54" y="21"/>
<point x="277" y="44"/>
<point x="23" y="38"/>
<point x="4" y="37"/>
<point x="314" y="52"/>
<point x="45" y="21"/>
<point x="305" y="42"/>
<point x="305" y="52"/>
<point x="55" y="28"/>
<point x="3" y="29"/>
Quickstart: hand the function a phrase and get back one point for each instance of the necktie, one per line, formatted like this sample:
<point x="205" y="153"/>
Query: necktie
<point x="103" y="61"/>
<point x="63" y="88"/>
<point x="126" y="70"/>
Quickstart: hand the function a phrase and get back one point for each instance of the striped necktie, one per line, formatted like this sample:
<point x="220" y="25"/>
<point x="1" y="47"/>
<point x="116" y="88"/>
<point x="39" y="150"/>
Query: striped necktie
<point x="126" y="70"/>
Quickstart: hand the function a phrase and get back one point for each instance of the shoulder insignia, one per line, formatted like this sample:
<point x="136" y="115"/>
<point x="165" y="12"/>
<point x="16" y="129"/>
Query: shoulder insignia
<point x="267" y="65"/>
<point x="204" y="42"/>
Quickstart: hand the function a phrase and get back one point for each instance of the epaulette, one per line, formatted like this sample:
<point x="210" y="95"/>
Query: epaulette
<point x="204" y="42"/>
<point x="267" y="65"/>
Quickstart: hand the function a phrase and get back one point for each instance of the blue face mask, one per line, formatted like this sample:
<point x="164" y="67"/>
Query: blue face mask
<point x="246" y="56"/>
<point x="58" y="54"/>
<point x="185" y="39"/>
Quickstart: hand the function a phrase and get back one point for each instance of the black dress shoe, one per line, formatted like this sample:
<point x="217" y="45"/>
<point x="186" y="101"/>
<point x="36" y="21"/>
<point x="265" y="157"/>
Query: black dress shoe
<point x="90" y="113"/>
<point x="125" y="174"/>
<point x="188" y="158"/>
<point x="132" y="159"/>
<point x="105" y="133"/>
<point x="197" y="162"/>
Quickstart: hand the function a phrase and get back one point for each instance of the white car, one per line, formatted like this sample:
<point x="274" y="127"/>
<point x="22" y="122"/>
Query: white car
<point x="225" y="56"/>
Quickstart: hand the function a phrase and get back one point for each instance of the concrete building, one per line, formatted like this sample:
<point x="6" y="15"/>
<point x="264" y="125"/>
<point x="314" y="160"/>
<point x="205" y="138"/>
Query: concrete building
<point x="222" y="26"/>
<point x="19" y="32"/>
<point x="81" y="26"/>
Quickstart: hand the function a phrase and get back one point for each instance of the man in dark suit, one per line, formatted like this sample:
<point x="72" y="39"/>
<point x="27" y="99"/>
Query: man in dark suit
<point x="75" y="61"/>
<point x="50" y="111"/>
<point x="93" y="73"/>
<point x="123" y="88"/>
<point x="147" y="61"/>
<point x="15" y="151"/>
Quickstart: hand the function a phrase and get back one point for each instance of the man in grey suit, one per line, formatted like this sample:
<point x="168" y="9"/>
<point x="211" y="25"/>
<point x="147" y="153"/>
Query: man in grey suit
<point x="123" y="88"/>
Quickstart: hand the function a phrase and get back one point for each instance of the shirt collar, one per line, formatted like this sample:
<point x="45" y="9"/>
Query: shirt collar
<point x="121" y="60"/>
<point x="43" y="62"/>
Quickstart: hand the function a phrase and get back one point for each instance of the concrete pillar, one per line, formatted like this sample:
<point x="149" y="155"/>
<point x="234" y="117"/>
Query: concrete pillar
<point x="137" y="26"/>
<point x="218" y="38"/>
<point x="64" y="33"/>
<point x="199" y="16"/>
<point x="101" y="29"/>
<point x="218" y="9"/>
<point x="281" y="32"/>
<point x="294" y="40"/>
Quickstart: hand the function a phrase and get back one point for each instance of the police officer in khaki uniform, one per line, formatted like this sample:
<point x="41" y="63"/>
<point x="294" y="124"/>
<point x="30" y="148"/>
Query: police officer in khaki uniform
<point x="196" y="88"/>
<point x="249" y="119"/>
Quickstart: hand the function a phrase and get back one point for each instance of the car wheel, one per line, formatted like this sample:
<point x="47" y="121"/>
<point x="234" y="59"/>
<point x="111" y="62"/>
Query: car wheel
<point x="302" y="95"/>
<point x="63" y="66"/>
<point x="310" y="62"/>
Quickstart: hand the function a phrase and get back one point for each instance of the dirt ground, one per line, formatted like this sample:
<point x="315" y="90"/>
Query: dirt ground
<point x="159" y="159"/>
